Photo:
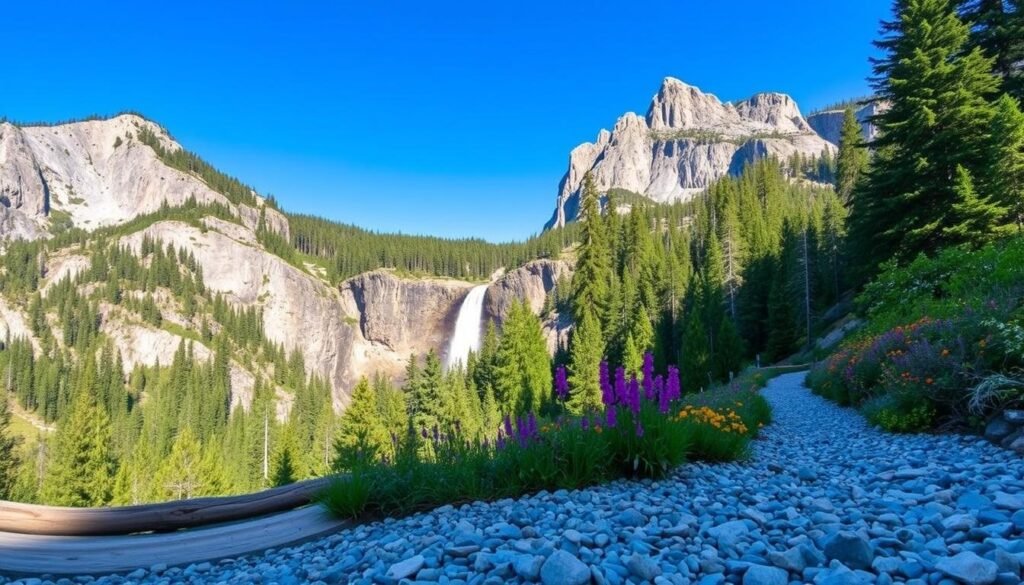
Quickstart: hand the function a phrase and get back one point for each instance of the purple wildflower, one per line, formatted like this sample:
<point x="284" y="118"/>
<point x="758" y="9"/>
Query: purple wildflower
<point x="639" y="429"/>
<point x="611" y="417"/>
<point x="634" y="396"/>
<point x="561" y="383"/>
<point x="508" y="425"/>
<point x="621" y="394"/>
<point x="648" y="375"/>
<point x="531" y="424"/>
<point x="584" y="423"/>
<point x="673" y="388"/>
<point x="663" y="397"/>
<point x="423" y="432"/>
<point x="607" y="395"/>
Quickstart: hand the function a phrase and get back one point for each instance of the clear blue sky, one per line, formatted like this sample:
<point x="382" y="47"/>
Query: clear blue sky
<point x="445" y="118"/>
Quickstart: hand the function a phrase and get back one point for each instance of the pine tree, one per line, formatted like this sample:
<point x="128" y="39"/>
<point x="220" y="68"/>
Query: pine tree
<point x="82" y="470"/>
<point x="852" y="160"/>
<point x="361" y="432"/>
<point x="284" y="468"/>
<point x="939" y="119"/>
<point x="186" y="473"/>
<point x="523" y="367"/>
<point x="997" y="28"/>
<point x="8" y="450"/>
<point x="974" y="218"/>
<point x="585" y="355"/>
<point x="695" y="355"/>
<point x="1007" y="159"/>
<point x="593" y="274"/>
<point x="781" y="328"/>
<point x="392" y="410"/>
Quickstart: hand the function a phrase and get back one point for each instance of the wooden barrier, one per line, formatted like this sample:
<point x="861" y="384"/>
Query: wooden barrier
<point x="165" y="517"/>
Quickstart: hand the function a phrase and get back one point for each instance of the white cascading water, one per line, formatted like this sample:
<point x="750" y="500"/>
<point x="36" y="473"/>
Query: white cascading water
<point x="466" y="337"/>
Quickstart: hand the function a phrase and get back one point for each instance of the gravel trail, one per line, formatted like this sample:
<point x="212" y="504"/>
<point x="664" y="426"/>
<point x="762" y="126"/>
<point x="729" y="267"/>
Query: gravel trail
<point x="824" y="498"/>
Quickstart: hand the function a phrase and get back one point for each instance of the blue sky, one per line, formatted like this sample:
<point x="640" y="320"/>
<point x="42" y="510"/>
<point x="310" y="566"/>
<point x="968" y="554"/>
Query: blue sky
<point x="446" y="118"/>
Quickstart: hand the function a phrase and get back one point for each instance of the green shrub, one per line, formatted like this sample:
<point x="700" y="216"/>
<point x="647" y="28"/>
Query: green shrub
<point x="900" y="414"/>
<point x="643" y="432"/>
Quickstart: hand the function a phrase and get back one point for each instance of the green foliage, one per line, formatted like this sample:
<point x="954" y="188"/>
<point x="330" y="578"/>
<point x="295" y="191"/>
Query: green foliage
<point x="8" y="450"/>
<point x="584" y="365"/>
<point x="974" y="219"/>
<point x="997" y="29"/>
<point x="943" y="340"/>
<point x="548" y="455"/>
<point x="1007" y="158"/>
<point x="853" y="156"/>
<point x="362" y="432"/>
<point x="898" y="415"/>
<point x="939" y="119"/>
<point x="347" y="250"/>
<point x="522" y="366"/>
<point x="187" y="472"/>
<point x="82" y="470"/>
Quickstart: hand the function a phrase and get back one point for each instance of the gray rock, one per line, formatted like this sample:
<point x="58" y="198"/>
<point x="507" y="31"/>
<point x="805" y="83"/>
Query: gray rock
<point x="562" y="568"/>
<point x="643" y="567"/>
<point x="631" y="517"/>
<point x="729" y="530"/>
<point x="528" y="566"/>
<point x="1014" y="416"/>
<point x="851" y="549"/>
<point x="791" y="560"/>
<point x="406" y="569"/>
<point x="998" y="429"/>
<point x="658" y="155"/>
<point x="969" y="568"/>
<point x="762" y="575"/>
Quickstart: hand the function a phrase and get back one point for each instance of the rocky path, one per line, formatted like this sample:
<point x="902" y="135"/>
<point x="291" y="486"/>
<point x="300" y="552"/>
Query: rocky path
<point x="823" y="499"/>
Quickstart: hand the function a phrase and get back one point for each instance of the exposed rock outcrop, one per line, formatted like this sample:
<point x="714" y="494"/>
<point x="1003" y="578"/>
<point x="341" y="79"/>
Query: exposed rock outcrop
<point x="97" y="172"/>
<point x="829" y="124"/>
<point x="403" y="316"/>
<point x="531" y="282"/>
<point x="687" y="140"/>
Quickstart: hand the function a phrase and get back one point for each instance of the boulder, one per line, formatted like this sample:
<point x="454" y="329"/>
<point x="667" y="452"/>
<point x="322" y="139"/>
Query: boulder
<point x="969" y="568"/>
<point x="851" y="549"/>
<point x="562" y="568"/>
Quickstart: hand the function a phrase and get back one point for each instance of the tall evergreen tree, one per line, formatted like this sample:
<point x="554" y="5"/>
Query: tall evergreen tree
<point x="974" y="219"/>
<point x="852" y="160"/>
<point x="939" y="118"/>
<point x="186" y="473"/>
<point x="1007" y="159"/>
<point x="8" y="450"/>
<point x="593" y="274"/>
<point x="997" y="28"/>
<point x="523" y="367"/>
<point x="82" y="470"/>
<point x="361" y="432"/>
<point x="585" y="356"/>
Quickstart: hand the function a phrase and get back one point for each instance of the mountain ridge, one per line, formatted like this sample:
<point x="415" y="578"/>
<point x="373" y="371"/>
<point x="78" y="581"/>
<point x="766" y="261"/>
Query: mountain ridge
<point x="687" y="140"/>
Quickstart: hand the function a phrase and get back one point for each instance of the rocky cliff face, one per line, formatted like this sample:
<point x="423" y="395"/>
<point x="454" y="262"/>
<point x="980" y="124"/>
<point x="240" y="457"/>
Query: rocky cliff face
<point x="829" y="124"/>
<point x="531" y="282"/>
<point x="687" y="140"/>
<point x="98" y="173"/>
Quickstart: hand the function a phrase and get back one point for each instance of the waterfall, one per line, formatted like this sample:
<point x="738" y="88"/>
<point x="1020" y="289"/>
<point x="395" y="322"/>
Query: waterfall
<point x="466" y="337"/>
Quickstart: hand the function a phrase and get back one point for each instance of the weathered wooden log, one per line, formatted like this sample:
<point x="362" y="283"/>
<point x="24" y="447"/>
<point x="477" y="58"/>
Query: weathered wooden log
<point x="164" y="517"/>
